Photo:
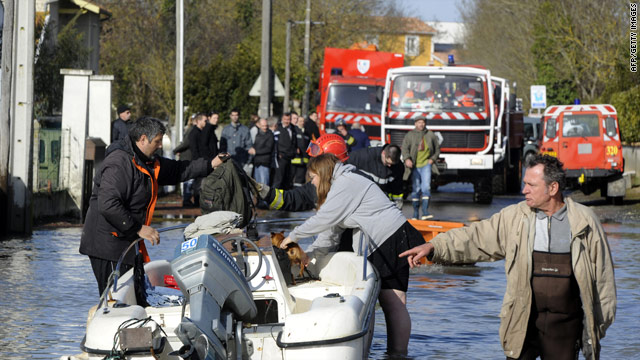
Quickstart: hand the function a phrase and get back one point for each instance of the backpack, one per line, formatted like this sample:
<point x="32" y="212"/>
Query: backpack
<point x="228" y="188"/>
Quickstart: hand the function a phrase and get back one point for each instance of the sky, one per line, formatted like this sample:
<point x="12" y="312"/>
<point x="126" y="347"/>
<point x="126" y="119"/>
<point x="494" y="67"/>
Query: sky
<point x="431" y="10"/>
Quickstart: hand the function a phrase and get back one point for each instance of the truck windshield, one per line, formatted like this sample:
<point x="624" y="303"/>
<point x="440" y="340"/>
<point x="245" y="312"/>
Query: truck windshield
<point x="431" y="92"/>
<point x="359" y="99"/>
<point x="584" y="125"/>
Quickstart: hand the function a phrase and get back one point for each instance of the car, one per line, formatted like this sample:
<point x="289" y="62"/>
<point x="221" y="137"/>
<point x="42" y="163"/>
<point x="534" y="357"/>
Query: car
<point x="532" y="137"/>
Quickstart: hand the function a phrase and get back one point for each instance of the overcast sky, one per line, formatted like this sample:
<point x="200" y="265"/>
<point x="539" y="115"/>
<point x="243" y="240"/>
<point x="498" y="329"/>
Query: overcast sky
<point x="431" y="10"/>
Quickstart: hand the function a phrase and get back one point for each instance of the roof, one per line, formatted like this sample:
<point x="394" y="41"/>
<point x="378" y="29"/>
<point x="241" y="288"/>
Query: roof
<point x="408" y="25"/>
<point x="417" y="26"/>
<point x="88" y="6"/>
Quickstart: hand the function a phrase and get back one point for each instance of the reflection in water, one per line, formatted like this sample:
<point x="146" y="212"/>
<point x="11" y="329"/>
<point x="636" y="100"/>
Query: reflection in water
<point x="46" y="289"/>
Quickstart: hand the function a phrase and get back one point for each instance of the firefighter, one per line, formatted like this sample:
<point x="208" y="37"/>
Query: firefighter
<point x="465" y="95"/>
<point x="341" y="127"/>
<point x="303" y="198"/>
<point x="382" y="165"/>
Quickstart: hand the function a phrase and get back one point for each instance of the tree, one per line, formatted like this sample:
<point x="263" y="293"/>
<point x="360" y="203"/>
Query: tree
<point x="67" y="52"/>
<point x="222" y="48"/>
<point x="568" y="45"/>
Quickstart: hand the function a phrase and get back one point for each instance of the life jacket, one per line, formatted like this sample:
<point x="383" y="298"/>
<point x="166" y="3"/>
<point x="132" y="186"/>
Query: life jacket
<point x="465" y="98"/>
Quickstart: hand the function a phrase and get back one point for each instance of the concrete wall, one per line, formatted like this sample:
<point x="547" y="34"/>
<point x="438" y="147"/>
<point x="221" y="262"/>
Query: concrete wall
<point x="631" y="156"/>
<point x="100" y="107"/>
<point x="75" y="102"/>
<point x="54" y="204"/>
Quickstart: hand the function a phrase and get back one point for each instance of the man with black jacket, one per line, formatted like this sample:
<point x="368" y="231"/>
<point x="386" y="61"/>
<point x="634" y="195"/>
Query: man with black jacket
<point x="125" y="193"/>
<point x="262" y="149"/>
<point x="120" y="126"/>
<point x="199" y="150"/>
<point x="381" y="165"/>
<point x="209" y="139"/>
<point x="287" y="149"/>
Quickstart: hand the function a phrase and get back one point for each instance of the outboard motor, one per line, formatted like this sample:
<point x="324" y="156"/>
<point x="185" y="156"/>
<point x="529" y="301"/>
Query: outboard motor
<point x="219" y="296"/>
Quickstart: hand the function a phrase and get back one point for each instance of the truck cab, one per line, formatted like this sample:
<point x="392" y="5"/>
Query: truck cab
<point x="472" y="113"/>
<point x="586" y="139"/>
<point x="350" y="88"/>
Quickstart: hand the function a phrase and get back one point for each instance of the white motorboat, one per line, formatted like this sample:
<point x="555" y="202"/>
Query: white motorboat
<point x="237" y="305"/>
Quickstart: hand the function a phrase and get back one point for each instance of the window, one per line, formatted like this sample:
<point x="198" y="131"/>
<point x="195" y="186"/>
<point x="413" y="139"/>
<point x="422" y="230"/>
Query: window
<point x="610" y="125"/>
<point x="412" y="45"/>
<point x="55" y="151"/>
<point x="41" y="152"/>
<point x="584" y="125"/>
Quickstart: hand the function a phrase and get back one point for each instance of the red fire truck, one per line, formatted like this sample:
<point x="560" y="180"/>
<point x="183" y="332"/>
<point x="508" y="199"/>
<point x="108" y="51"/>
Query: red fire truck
<point x="472" y="113"/>
<point x="351" y="85"/>
<point x="586" y="139"/>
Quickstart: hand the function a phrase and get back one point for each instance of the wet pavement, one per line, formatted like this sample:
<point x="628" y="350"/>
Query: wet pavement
<point x="46" y="287"/>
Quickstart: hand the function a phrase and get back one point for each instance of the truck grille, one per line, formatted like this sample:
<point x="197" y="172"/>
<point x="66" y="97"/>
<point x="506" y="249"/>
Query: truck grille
<point x="452" y="139"/>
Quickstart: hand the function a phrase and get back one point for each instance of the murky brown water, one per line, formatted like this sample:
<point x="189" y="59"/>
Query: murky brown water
<point x="46" y="288"/>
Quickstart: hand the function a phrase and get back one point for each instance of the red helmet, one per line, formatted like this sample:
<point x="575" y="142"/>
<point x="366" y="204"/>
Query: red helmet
<point x="329" y="144"/>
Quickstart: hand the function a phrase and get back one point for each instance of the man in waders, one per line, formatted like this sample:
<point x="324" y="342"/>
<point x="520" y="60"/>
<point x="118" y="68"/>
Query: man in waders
<point x="561" y="292"/>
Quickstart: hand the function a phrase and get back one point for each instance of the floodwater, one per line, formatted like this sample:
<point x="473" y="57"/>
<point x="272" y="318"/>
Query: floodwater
<point x="46" y="289"/>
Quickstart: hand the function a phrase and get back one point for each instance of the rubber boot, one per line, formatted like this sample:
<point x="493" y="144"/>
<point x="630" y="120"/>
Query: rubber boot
<point x="425" y="209"/>
<point x="416" y="208"/>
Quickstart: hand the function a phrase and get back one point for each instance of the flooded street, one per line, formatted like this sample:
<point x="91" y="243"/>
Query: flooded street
<point x="47" y="287"/>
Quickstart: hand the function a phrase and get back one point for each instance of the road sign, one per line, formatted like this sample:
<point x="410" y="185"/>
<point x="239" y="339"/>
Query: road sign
<point x="278" y="88"/>
<point x="538" y="96"/>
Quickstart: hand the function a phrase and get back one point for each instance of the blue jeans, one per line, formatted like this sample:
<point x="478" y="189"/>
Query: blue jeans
<point x="187" y="190"/>
<point x="261" y="174"/>
<point x="421" y="181"/>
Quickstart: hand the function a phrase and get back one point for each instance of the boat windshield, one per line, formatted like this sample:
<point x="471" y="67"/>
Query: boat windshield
<point x="359" y="99"/>
<point x="431" y="92"/>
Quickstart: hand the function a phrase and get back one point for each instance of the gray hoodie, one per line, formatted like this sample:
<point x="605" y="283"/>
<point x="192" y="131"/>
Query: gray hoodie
<point x="352" y="202"/>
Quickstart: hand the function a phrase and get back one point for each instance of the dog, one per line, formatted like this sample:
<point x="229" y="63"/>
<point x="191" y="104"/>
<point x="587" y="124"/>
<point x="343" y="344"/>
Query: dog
<point x="294" y="252"/>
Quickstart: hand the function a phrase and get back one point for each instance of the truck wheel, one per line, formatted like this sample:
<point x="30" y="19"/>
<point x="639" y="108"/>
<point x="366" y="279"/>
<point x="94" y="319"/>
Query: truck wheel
<point x="482" y="193"/>
<point x="497" y="184"/>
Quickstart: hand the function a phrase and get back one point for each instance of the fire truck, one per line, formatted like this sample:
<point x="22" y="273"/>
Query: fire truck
<point x="350" y="88"/>
<point x="473" y="114"/>
<point x="586" y="139"/>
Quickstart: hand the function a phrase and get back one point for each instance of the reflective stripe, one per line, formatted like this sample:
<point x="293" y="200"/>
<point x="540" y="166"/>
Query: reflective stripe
<point x="296" y="161"/>
<point x="278" y="200"/>
<point x="425" y="198"/>
<point x="377" y="180"/>
<point x="152" y="204"/>
<point x="396" y="196"/>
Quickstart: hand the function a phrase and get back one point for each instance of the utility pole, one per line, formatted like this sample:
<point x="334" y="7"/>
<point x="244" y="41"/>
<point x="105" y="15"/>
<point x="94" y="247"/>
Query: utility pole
<point x="5" y="104"/>
<point x="287" y="69"/>
<point x="179" y="124"/>
<point x="21" y="128"/>
<point x="307" y="50"/>
<point x="266" y="73"/>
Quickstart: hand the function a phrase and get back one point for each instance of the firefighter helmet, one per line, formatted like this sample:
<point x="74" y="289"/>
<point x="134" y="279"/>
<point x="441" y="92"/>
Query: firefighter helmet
<point x="329" y="144"/>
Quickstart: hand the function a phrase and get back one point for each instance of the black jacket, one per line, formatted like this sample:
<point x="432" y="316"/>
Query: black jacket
<point x="209" y="141"/>
<point x="311" y="129"/>
<point x="124" y="196"/>
<point x="119" y="129"/>
<point x="183" y="148"/>
<point x="300" y="198"/>
<point x="264" y="148"/>
<point x="197" y="145"/>
<point x="369" y="163"/>
<point x="287" y="143"/>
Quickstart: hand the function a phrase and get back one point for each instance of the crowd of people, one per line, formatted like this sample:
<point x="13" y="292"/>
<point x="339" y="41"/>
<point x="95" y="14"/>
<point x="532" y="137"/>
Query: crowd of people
<point x="560" y="295"/>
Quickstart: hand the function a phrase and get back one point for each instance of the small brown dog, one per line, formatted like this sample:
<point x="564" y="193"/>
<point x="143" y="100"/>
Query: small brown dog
<point x="294" y="252"/>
